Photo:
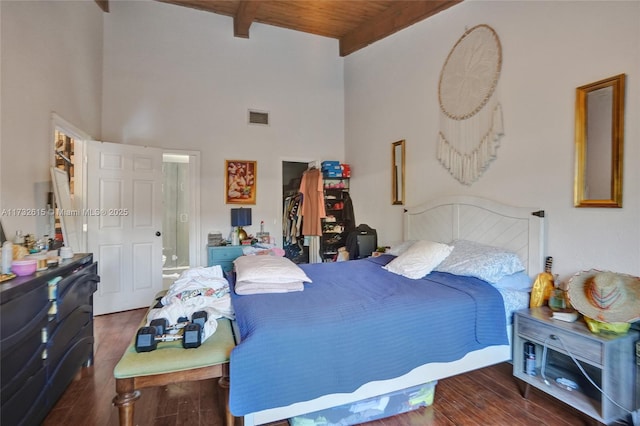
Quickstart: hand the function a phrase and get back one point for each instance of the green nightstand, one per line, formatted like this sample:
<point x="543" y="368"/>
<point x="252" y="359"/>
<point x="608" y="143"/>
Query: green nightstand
<point x="223" y="256"/>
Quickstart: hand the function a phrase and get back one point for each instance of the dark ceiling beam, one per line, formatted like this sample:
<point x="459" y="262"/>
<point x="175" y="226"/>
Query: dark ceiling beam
<point x="104" y="5"/>
<point x="397" y="17"/>
<point x="244" y="17"/>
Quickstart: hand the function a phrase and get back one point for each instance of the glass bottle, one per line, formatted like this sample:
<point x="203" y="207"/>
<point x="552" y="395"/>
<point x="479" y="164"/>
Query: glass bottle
<point x="7" y="257"/>
<point x="558" y="299"/>
<point x="19" y="240"/>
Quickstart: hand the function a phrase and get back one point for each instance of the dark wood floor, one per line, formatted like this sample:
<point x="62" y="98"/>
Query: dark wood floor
<point x="489" y="396"/>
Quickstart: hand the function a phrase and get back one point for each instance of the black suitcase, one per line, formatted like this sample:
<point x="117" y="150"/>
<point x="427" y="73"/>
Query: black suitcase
<point x="361" y="242"/>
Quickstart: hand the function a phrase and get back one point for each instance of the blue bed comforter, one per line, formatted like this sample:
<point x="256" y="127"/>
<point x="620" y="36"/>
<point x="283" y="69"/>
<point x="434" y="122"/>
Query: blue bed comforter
<point x="355" y="323"/>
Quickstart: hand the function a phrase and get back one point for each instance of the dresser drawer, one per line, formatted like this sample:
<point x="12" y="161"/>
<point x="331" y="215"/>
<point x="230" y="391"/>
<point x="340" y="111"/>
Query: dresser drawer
<point x="20" y="315"/>
<point x="30" y="398"/>
<point x="541" y="333"/>
<point x="21" y="362"/>
<point x="75" y="291"/>
<point x="63" y="336"/>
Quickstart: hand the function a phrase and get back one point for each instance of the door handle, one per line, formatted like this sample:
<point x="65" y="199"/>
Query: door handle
<point x="158" y="233"/>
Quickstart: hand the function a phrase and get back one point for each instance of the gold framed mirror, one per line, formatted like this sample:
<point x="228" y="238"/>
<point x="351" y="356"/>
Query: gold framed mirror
<point x="397" y="173"/>
<point x="599" y="142"/>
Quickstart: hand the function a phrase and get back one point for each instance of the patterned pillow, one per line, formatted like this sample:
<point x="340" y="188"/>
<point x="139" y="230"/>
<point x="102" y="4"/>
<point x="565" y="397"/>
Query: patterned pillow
<point x="473" y="259"/>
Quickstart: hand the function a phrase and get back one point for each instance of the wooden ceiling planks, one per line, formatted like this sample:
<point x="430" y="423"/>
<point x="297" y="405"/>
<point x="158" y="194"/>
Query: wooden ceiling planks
<point x="400" y="15"/>
<point x="355" y="23"/>
<point x="329" y="18"/>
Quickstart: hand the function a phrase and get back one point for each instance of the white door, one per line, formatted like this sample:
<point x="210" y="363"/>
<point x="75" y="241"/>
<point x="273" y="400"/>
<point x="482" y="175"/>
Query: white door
<point x="124" y="223"/>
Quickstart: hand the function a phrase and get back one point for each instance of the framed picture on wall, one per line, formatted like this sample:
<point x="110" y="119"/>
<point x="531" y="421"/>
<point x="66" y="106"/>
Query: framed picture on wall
<point x="240" y="181"/>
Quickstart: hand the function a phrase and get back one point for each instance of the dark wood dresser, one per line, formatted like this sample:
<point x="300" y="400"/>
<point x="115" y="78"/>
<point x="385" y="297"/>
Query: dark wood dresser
<point x="46" y="336"/>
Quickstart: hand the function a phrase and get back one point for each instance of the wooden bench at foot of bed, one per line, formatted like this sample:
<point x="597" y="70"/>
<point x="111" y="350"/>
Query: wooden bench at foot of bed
<point x="171" y="363"/>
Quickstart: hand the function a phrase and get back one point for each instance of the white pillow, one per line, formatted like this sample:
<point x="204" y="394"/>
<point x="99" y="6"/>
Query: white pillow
<point x="419" y="259"/>
<point x="398" y="248"/>
<point x="244" y="288"/>
<point x="488" y="263"/>
<point x="268" y="269"/>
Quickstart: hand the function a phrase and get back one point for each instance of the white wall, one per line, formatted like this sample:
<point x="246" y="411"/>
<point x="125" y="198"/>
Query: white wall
<point x="51" y="62"/>
<point x="177" y="78"/>
<point x="549" y="49"/>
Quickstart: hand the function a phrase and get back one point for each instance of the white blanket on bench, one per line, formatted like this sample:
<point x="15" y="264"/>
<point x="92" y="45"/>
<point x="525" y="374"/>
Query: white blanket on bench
<point x="197" y="289"/>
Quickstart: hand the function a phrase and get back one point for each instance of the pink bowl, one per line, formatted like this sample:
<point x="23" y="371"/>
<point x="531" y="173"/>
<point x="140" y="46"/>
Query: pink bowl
<point x="24" y="267"/>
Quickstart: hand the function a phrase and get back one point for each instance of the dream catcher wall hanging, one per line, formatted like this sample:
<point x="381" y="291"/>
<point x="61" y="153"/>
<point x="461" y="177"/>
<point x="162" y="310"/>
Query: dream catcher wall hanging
<point x="470" y="114"/>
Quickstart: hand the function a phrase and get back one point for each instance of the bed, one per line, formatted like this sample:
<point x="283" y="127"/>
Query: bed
<point x="293" y="360"/>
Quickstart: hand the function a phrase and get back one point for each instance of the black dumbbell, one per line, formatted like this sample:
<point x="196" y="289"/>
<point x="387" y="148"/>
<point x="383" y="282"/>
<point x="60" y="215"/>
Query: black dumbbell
<point x="199" y="317"/>
<point x="147" y="338"/>
<point x="162" y="324"/>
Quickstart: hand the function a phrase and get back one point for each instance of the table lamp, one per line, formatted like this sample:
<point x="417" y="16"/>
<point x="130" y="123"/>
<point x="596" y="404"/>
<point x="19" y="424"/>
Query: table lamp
<point x="239" y="218"/>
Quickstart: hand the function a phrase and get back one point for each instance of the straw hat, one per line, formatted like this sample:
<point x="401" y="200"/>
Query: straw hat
<point x="605" y="296"/>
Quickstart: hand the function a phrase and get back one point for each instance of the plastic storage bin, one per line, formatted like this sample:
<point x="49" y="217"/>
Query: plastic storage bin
<point x="370" y="409"/>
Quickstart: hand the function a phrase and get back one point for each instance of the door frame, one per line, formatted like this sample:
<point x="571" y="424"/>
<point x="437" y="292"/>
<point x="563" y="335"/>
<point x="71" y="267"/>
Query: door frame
<point x="195" y="237"/>
<point x="313" y="242"/>
<point x="281" y="177"/>
<point x="80" y="177"/>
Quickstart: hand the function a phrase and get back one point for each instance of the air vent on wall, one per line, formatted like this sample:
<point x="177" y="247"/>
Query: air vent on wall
<point x="258" y="117"/>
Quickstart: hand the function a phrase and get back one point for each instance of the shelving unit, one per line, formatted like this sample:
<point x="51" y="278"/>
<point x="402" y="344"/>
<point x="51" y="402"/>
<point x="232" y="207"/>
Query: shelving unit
<point x="334" y="235"/>
<point x="608" y="359"/>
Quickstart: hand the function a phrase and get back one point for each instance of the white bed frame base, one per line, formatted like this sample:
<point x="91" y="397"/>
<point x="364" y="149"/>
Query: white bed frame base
<point x="424" y="374"/>
<point x="444" y="220"/>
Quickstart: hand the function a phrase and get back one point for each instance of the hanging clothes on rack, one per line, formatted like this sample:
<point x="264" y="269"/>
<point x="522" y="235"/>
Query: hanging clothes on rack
<point x="292" y="219"/>
<point x="291" y="229"/>
<point x="313" y="209"/>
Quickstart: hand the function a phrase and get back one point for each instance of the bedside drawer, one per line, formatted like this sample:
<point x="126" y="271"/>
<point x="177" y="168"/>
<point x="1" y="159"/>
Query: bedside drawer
<point x="587" y="349"/>
<point x="226" y="266"/>
<point x="223" y="256"/>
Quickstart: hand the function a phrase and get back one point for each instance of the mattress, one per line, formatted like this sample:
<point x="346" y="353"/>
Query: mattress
<point x="354" y="324"/>
<point x="514" y="300"/>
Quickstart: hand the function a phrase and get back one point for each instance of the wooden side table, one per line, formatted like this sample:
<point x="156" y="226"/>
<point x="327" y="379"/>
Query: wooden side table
<point x="608" y="359"/>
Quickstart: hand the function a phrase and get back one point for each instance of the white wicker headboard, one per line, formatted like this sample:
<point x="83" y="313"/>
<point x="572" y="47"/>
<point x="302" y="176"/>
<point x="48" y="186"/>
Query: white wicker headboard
<point x="518" y="229"/>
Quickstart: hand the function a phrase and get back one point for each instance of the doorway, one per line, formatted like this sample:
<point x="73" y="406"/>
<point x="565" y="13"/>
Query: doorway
<point x="181" y="219"/>
<point x="292" y="239"/>
<point x="176" y="215"/>
<point x="130" y="260"/>
<point x="66" y="151"/>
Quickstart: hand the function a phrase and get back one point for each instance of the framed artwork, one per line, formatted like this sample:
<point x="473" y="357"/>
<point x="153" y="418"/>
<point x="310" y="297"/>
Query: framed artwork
<point x="240" y="181"/>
